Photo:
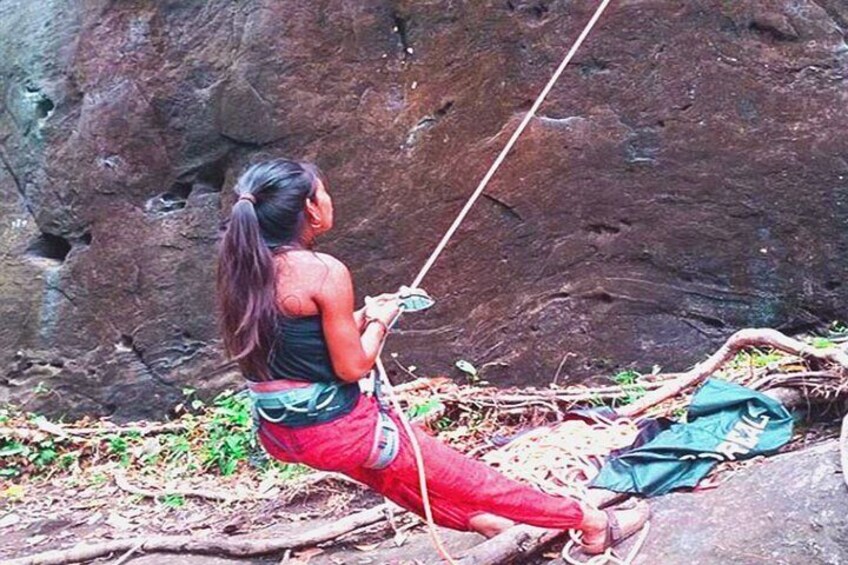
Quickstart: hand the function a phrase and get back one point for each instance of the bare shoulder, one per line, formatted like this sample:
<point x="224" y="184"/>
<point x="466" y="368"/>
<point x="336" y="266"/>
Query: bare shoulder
<point x="303" y="262"/>
<point x="333" y="280"/>
<point x="323" y="271"/>
<point x="333" y="264"/>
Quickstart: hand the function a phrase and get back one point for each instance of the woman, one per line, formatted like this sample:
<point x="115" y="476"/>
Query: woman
<point x="287" y="317"/>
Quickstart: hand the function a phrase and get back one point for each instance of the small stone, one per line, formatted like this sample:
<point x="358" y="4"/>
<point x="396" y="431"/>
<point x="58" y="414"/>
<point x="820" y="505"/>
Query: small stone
<point x="9" y="520"/>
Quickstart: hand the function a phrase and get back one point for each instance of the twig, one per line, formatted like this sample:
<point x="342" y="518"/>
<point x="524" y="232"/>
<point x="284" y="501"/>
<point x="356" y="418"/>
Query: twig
<point x="738" y="341"/>
<point x="126" y="555"/>
<point x="419" y="383"/>
<point x="218" y="545"/>
<point x="565" y="358"/>
<point x="75" y="434"/>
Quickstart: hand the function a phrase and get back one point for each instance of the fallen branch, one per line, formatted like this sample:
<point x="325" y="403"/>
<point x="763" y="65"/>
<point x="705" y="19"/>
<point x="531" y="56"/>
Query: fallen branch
<point x="738" y="341"/>
<point x="123" y="558"/>
<point x="208" y="546"/>
<point x="73" y="434"/>
<point x="518" y="541"/>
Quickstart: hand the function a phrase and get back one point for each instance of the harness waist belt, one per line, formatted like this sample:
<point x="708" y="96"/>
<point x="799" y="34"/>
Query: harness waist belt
<point x="316" y="403"/>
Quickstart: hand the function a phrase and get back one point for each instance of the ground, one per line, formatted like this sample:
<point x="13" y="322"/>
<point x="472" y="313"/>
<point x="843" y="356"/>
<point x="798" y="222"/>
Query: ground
<point x="788" y="509"/>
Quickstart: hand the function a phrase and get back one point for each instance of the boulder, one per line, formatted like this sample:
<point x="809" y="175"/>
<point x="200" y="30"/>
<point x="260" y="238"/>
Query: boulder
<point x="685" y="178"/>
<point x="790" y="509"/>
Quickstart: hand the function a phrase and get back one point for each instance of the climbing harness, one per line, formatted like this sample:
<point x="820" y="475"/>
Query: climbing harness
<point x="381" y="371"/>
<point x="386" y="444"/>
<point x="315" y="403"/>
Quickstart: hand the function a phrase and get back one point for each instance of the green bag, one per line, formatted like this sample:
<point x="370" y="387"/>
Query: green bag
<point x="726" y="422"/>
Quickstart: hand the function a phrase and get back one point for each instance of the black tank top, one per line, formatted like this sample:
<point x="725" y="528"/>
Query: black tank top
<point x="300" y="353"/>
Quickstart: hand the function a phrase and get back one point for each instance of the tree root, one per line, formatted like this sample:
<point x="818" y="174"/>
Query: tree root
<point x="525" y="540"/>
<point x="209" y="546"/>
<point x="509" y="545"/>
<point x="738" y="341"/>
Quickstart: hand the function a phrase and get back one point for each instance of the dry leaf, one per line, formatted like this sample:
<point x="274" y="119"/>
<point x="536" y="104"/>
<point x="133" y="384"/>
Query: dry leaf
<point x="302" y="557"/>
<point x="34" y="540"/>
<point x="9" y="520"/>
<point x="118" y="522"/>
<point x="367" y="546"/>
<point x="400" y="538"/>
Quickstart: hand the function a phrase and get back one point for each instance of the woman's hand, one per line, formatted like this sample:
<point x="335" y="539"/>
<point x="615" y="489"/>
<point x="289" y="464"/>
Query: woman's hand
<point x="384" y="308"/>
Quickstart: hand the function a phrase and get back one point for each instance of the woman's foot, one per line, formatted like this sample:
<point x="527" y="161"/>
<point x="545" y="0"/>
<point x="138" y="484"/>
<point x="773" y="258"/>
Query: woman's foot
<point x="489" y="525"/>
<point x="606" y="528"/>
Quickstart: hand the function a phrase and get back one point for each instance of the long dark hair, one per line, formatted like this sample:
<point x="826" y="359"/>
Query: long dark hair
<point x="268" y="216"/>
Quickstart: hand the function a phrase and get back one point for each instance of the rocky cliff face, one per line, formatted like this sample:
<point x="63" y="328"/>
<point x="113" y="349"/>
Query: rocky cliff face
<point x="687" y="176"/>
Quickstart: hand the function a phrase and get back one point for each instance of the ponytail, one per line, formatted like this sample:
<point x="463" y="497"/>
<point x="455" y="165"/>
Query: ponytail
<point x="246" y="290"/>
<point x="268" y="216"/>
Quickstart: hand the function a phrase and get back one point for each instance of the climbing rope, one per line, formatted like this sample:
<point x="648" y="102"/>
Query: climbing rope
<point x="381" y="371"/>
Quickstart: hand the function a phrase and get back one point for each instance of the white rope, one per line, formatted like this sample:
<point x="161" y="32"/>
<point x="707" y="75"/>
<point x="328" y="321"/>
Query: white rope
<point x="522" y="126"/>
<point x="422" y="479"/>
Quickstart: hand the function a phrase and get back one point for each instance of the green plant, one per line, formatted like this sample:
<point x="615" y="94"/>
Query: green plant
<point x="287" y="471"/>
<point x="10" y="452"/>
<point x="443" y="424"/>
<point x="754" y="357"/>
<point x="45" y="454"/>
<point x="68" y="460"/>
<point x="626" y="378"/>
<point x="172" y="500"/>
<point x="837" y="328"/>
<point x="629" y="381"/>
<point x="822" y="342"/>
<point x="421" y="410"/>
<point x="230" y="437"/>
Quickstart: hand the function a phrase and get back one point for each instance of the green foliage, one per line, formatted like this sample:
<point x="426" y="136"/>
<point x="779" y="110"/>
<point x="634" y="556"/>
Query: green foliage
<point x="172" y="500"/>
<point x="421" y="410"/>
<point x="230" y="437"/>
<point x="626" y="378"/>
<point x="629" y="381"/>
<point x="755" y="357"/>
<point x="443" y="424"/>
<point x="471" y="373"/>
<point x="822" y="342"/>
<point x="217" y="438"/>
<point x="286" y="471"/>
<point x="15" y="455"/>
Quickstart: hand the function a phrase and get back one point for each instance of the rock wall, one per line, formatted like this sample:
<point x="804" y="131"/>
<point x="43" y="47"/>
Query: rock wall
<point x="685" y="178"/>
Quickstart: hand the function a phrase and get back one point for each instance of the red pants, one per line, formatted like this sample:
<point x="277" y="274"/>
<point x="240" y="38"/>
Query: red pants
<point x="459" y="487"/>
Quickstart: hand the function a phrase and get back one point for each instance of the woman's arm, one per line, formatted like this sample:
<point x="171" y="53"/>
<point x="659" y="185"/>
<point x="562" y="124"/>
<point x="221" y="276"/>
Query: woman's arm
<point x="352" y="352"/>
<point x="359" y="319"/>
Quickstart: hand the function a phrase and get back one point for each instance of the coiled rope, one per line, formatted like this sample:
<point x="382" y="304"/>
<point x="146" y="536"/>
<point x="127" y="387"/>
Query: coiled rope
<point x="419" y="460"/>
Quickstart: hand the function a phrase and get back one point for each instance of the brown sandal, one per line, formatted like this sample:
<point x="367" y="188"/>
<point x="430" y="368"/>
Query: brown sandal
<point x="614" y="533"/>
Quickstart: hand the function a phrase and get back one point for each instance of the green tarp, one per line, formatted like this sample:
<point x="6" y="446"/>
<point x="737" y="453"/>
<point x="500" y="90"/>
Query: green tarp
<point x="725" y="422"/>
